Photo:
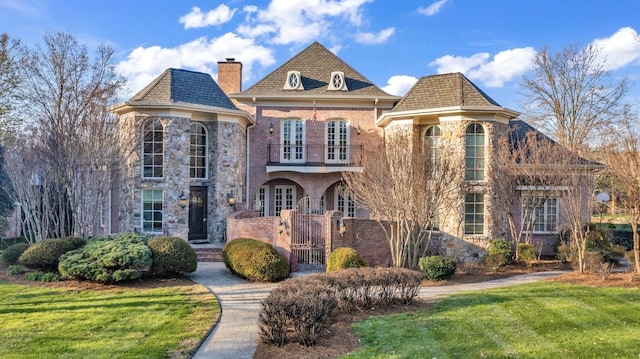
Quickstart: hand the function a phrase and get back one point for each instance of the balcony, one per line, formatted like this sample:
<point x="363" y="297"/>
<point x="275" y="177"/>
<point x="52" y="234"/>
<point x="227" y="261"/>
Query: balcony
<point x="314" y="158"/>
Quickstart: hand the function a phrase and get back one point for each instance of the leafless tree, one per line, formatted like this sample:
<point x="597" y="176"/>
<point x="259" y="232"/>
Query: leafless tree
<point x="407" y="192"/>
<point x="622" y="157"/>
<point x="571" y="96"/>
<point x="9" y="80"/>
<point x="73" y="138"/>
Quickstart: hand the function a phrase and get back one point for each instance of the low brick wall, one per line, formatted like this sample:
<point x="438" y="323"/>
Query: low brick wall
<point x="367" y="238"/>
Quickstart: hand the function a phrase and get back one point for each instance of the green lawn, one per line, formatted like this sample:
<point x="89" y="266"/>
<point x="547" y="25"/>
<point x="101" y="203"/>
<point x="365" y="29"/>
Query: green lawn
<point x="39" y="322"/>
<point x="542" y="320"/>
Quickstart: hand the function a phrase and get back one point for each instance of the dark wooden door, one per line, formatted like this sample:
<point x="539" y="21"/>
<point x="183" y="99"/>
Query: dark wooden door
<point x="198" y="213"/>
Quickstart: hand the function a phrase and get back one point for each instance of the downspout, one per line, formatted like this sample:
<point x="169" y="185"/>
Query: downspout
<point x="246" y="181"/>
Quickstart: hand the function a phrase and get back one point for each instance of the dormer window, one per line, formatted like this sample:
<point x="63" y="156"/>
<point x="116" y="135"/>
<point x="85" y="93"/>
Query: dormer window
<point x="337" y="81"/>
<point x="293" y="81"/>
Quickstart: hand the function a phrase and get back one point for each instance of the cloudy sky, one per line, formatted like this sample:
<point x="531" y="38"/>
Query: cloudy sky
<point x="390" y="42"/>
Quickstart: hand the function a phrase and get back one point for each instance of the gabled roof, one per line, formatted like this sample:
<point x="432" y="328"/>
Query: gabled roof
<point x="446" y="90"/>
<point x="183" y="86"/>
<point x="315" y="64"/>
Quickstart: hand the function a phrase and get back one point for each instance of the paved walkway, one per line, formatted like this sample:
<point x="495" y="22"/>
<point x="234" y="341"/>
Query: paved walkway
<point x="236" y="335"/>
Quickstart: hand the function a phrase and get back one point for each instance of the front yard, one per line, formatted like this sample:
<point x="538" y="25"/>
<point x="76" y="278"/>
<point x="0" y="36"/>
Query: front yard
<point x="64" y="319"/>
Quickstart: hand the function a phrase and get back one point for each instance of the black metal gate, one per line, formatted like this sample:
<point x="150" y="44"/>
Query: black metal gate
<point x="308" y="233"/>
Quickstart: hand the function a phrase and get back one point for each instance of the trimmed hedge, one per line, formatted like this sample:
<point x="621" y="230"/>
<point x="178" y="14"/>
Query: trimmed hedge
<point x="254" y="260"/>
<point x="499" y="250"/>
<point x="437" y="267"/>
<point x="11" y="254"/>
<point x="108" y="259"/>
<point x="44" y="255"/>
<point x="526" y="252"/>
<point x="172" y="255"/>
<point x="343" y="258"/>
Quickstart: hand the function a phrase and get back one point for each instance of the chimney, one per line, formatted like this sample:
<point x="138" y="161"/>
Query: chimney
<point x="230" y="76"/>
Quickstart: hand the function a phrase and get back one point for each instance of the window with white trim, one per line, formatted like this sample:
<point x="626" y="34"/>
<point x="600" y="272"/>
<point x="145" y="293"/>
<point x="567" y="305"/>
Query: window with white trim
<point x="152" y="201"/>
<point x="474" y="152"/>
<point x="473" y="214"/>
<point x="337" y="81"/>
<point x="293" y="147"/>
<point x="198" y="151"/>
<point x="105" y="213"/>
<point x="431" y="148"/>
<point x="284" y="198"/>
<point x="337" y="141"/>
<point x="152" y="149"/>
<point x="261" y="201"/>
<point x="344" y="203"/>
<point x="294" y="81"/>
<point x="540" y="214"/>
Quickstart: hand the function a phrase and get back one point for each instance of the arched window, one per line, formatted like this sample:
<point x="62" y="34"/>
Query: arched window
<point x="474" y="152"/>
<point x="198" y="151"/>
<point x="152" y="149"/>
<point x="432" y="148"/>
<point x="337" y="141"/>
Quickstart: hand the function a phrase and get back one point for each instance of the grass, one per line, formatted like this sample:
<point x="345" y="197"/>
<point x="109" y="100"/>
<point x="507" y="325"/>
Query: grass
<point x="42" y="322"/>
<point x="541" y="320"/>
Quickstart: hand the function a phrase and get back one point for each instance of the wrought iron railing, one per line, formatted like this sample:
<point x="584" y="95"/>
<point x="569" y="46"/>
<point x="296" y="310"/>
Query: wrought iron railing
<point x="315" y="155"/>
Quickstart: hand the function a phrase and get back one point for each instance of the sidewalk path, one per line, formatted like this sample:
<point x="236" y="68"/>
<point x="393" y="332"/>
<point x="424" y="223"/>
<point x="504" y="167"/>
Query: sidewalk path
<point x="236" y="334"/>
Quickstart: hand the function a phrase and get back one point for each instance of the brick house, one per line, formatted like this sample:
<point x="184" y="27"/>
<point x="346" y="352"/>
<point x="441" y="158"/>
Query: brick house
<point x="203" y="153"/>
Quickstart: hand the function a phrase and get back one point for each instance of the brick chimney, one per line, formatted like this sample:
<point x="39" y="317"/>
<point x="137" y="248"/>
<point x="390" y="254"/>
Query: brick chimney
<point x="230" y="76"/>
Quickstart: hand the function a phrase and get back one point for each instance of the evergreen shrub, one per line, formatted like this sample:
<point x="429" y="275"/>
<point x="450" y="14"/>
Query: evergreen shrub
<point x="500" y="250"/>
<point x="172" y="255"/>
<point x="343" y="258"/>
<point x="11" y="254"/>
<point x="526" y="252"/>
<point x="254" y="260"/>
<point x="44" y="255"/>
<point x="437" y="268"/>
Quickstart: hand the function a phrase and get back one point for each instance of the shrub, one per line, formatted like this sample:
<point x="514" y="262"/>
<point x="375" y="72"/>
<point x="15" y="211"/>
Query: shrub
<point x="14" y="269"/>
<point x="494" y="261"/>
<point x="172" y="255"/>
<point x="108" y="259"/>
<point x="500" y="248"/>
<point x="254" y="260"/>
<point x="631" y="259"/>
<point x="42" y="277"/>
<point x="44" y="255"/>
<point x="437" y="267"/>
<point x="343" y="258"/>
<point x="12" y="253"/>
<point x="526" y="252"/>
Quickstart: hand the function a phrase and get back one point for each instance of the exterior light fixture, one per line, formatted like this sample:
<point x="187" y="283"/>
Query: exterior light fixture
<point x="182" y="201"/>
<point x="358" y="130"/>
<point x="231" y="199"/>
<point x="341" y="227"/>
<point x="281" y="226"/>
<point x="271" y="128"/>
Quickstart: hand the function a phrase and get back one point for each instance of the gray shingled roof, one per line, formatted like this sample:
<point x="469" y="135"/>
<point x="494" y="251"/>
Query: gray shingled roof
<point x="446" y="90"/>
<point x="176" y="85"/>
<point x="315" y="64"/>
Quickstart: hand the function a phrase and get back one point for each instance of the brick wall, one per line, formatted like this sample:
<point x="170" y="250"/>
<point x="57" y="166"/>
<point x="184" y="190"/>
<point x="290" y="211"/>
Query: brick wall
<point x="366" y="237"/>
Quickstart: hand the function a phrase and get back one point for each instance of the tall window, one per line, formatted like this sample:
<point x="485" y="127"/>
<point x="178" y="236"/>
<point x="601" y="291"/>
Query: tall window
<point x="474" y="152"/>
<point x="262" y="200"/>
<point x="541" y="213"/>
<point x="432" y="148"/>
<point x="473" y="213"/>
<point x="152" y="210"/>
<point x="198" y="151"/>
<point x="345" y="204"/>
<point x="337" y="141"/>
<point x="292" y="141"/>
<point x="284" y="198"/>
<point x="152" y="149"/>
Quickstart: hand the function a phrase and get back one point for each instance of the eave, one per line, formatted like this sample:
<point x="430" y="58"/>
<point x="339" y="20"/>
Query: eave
<point x="500" y="112"/>
<point x="127" y="107"/>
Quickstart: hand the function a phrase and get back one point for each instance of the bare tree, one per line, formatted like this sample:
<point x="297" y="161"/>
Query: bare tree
<point x="407" y="192"/>
<point x="622" y="157"/>
<point x="71" y="133"/>
<point x="9" y="80"/>
<point x="571" y="96"/>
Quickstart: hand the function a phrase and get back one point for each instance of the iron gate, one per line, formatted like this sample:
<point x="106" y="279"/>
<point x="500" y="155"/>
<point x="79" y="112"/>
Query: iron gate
<point x="308" y="232"/>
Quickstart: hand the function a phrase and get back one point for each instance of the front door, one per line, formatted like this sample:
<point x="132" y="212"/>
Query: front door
<point x="198" y="213"/>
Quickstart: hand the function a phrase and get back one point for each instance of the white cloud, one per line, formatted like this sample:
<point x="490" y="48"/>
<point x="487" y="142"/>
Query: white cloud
<point x="298" y="22"/>
<point x="196" y="19"/>
<point x="505" y="66"/>
<point x="371" y="38"/>
<point x="620" y="49"/>
<point x="433" y="8"/>
<point x="399" y="84"/>
<point x="144" y="64"/>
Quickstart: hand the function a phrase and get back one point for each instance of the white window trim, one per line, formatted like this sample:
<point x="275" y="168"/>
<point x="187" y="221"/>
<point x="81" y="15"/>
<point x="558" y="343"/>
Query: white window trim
<point x="336" y="159"/>
<point x="484" y="153"/>
<point x="144" y="124"/>
<point x="545" y="212"/>
<point x="206" y="150"/>
<point x="340" y="76"/>
<point x="283" y="190"/>
<point x="262" y="205"/>
<point x="142" y="212"/>
<point x="484" y="216"/>
<point x="287" y="83"/>
<point x="293" y="145"/>
<point x="348" y="203"/>
<point x="105" y="213"/>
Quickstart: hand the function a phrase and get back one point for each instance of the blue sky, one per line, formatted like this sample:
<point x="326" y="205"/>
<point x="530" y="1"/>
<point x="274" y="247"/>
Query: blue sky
<point x="390" y="42"/>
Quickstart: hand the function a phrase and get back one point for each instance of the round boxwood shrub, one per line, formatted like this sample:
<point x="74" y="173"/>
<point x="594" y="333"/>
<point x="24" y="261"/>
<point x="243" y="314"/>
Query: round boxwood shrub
<point x="526" y="252"/>
<point x="108" y="259"/>
<point x="172" y="255"/>
<point x="437" y="267"/>
<point x="343" y="258"/>
<point x="11" y="254"/>
<point x="500" y="252"/>
<point x="44" y="255"/>
<point x="254" y="260"/>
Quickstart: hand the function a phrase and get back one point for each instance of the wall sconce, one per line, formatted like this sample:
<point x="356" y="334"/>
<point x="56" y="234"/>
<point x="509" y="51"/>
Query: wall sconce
<point x="271" y="128"/>
<point x="182" y="201"/>
<point x="341" y="227"/>
<point x="231" y="199"/>
<point x="358" y="130"/>
<point x="281" y="226"/>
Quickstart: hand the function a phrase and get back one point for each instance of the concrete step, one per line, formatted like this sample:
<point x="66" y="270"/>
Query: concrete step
<point x="209" y="254"/>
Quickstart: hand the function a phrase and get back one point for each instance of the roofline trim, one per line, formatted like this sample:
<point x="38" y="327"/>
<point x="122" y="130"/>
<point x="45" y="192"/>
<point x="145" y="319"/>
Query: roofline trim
<point x="128" y="106"/>
<point x="313" y="96"/>
<point x="385" y="118"/>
